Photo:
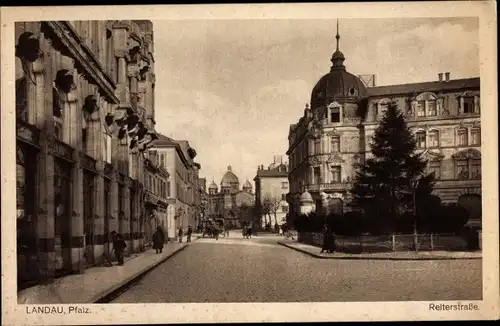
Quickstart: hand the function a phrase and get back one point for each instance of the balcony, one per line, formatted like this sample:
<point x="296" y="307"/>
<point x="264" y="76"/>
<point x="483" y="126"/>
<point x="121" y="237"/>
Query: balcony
<point x="334" y="186"/>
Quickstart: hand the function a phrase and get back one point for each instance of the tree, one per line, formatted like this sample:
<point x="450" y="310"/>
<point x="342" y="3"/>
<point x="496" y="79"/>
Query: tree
<point x="383" y="186"/>
<point x="271" y="205"/>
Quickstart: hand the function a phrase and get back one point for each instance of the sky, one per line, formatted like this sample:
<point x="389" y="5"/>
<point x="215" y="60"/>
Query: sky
<point x="233" y="87"/>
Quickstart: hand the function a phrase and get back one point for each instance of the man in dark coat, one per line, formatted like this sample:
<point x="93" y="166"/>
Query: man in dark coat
<point x="158" y="240"/>
<point x="119" y="246"/>
<point x="180" y="234"/>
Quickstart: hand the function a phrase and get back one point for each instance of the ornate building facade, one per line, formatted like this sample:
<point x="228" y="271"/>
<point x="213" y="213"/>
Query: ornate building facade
<point x="177" y="157"/>
<point x="231" y="203"/>
<point x="84" y="115"/>
<point x="336" y="130"/>
<point x="271" y="188"/>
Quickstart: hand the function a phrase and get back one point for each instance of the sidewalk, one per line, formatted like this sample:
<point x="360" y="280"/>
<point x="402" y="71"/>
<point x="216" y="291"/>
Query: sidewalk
<point x="398" y="255"/>
<point x="98" y="282"/>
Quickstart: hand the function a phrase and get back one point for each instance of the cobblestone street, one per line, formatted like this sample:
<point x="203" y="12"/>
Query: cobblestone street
<point x="259" y="270"/>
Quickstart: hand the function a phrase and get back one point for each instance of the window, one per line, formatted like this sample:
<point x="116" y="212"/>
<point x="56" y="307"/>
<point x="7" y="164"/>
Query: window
<point x="317" y="175"/>
<point x="468" y="169"/>
<point x="84" y="140"/>
<point x="284" y="208"/>
<point x="431" y="108"/>
<point x="284" y="185"/>
<point x="435" y="167"/>
<point x="462" y="137"/>
<point x="475" y="169"/>
<point x="462" y="170"/>
<point x="336" y="174"/>
<point x="335" y="114"/>
<point x="382" y="108"/>
<point x="162" y="160"/>
<point x="283" y="196"/>
<point x="421" y="139"/>
<point x="57" y="114"/>
<point x="317" y="146"/>
<point x="335" y="144"/>
<point x="421" y="109"/>
<point x="468" y="104"/>
<point x="475" y="135"/>
<point x="433" y="138"/>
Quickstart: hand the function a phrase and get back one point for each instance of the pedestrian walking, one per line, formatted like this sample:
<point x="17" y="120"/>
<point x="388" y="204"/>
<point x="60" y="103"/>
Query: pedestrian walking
<point x="244" y="231"/>
<point x="180" y="234"/>
<point x="119" y="246"/>
<point x="249" y="234"/>
<point x="280" y="231"/>
<point x="326" y="239"/>
<point x="158" y="240"/>
<point x="189" y="232"/>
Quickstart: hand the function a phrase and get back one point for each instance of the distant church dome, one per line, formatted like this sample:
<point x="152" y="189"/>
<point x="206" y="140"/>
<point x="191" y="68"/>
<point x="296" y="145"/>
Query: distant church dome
<point x="247" y="185"/>
<point x="213" y="185"/>
<point x="338" y="84"/>
<point x="229" y="177"/>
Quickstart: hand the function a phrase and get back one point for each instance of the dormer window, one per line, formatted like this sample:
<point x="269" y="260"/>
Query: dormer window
<point x="468" y="105"/>
<point x="335" y="114"/>
<point x="421" y="109"/>
<point x="431" y="108"/>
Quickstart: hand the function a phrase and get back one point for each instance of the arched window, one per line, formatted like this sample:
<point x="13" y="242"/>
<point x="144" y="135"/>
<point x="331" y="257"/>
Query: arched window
<point x="468" y="164"/>
<point x="426" y="104"/>
<point x="433" y="139"/>
<point x="420" y="139"/>
<point x="382" y="107"/>
<point x="57" y="113"/>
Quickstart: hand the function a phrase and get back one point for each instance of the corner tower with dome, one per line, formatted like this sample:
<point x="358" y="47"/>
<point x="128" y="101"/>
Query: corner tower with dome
<point x="334" y="118"/>
<point x="230" y="202"/>
<point x="338" y="124"/>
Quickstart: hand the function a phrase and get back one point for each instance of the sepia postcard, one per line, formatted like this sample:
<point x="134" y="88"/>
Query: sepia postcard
<point x="249" y="163"/>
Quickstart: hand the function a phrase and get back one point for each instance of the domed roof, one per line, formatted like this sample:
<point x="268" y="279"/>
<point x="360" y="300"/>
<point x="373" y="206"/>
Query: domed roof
<point x="212" y="185"/>
<point x="247" y="184"/>
<point x="338" y="83"/>
<point x="306" y="196"/>
<point x="229" y="177"/>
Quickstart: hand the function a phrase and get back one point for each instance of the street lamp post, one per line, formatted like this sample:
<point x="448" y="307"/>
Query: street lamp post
<point x="415" y="234"/>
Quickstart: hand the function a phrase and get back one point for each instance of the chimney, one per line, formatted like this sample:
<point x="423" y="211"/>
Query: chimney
<point x="447" y="76"/>
<point x="374" y="81"/>
<point x="440" y="75"/>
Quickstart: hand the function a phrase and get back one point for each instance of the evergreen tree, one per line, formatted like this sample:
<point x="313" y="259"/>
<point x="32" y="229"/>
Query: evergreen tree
<point x="383" y="186"/>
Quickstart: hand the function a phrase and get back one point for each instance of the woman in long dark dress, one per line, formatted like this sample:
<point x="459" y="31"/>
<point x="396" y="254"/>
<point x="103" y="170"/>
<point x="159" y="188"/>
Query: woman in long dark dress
<point x="158" y="240"/>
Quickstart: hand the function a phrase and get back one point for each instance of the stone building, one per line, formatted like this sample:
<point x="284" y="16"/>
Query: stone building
<point x="84" y="113"/>
<point x="156" y="196"/>
<point x="231" y="203"/>
<point x="178" y="159"/>
<point x="271" y="187"/>
<point x="336" y="130"/>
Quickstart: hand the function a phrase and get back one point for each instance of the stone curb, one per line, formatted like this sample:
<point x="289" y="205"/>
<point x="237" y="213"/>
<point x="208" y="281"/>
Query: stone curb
<point x="110" y="293"/>
<point x="372" y="258"/>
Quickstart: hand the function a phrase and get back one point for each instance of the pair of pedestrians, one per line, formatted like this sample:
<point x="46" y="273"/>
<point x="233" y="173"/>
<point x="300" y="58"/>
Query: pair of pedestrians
<point x="188" y="233"/>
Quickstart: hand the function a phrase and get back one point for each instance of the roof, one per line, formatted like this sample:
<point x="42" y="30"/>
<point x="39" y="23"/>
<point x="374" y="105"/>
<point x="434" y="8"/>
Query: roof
<point x="273" y="173"/>
<point x="434" y="86"/>
<point x="229" y="177"/>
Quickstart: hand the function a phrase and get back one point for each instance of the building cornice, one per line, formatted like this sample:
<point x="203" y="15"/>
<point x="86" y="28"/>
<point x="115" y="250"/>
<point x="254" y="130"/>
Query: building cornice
<point x="84" y="57"/>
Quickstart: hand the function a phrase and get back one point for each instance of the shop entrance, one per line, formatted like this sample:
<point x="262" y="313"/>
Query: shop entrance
<point x="62" y="218"/>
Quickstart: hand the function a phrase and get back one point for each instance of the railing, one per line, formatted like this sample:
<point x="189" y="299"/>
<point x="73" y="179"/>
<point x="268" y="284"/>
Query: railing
<point x="389" y="242"/>
<point x="338" y="186"/>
